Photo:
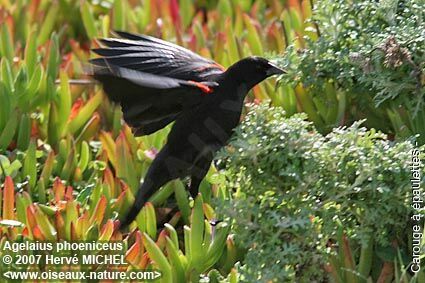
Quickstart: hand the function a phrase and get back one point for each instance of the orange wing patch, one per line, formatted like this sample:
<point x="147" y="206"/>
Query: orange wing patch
<point x="205" y="89"/>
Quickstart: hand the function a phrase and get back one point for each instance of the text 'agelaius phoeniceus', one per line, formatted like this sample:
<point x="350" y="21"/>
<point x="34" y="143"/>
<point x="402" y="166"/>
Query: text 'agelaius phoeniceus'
<point x="156" y="83"/>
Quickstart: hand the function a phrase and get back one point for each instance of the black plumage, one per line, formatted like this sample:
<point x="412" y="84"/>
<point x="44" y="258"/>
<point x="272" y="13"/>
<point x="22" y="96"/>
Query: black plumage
<point x="156" y="83"/>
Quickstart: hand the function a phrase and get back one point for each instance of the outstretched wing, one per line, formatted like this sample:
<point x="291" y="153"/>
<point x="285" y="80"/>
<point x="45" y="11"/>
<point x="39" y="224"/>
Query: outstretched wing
<point x="154" y="80"/>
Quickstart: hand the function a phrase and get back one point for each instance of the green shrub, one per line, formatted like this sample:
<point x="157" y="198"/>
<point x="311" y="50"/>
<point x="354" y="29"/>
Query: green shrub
<point x="299" y="194"/>
<point x="373" y="52"/>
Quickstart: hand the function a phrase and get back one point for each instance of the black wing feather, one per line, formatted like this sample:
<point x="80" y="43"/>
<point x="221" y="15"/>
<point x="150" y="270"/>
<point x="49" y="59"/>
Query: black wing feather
<point x="154" y="80"/>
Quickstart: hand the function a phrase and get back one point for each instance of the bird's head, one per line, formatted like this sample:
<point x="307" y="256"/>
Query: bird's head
<point x="252" y="70"/>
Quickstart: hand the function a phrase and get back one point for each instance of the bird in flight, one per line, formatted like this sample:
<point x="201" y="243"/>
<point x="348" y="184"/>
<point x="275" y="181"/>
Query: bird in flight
<point x="157" y="83"/>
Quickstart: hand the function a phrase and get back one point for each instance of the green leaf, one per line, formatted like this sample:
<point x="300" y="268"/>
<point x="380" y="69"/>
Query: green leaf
<point x="296" y="20"/>
<point x="30" y="164"/>
<point x="6" y="45"/>
<point x="6" y="106"/>
<point x="92" y="233"/>
<point x="7" y="76"/>
<point x="35" y="82"/>
<point x="182" y="200"/>
<point x="197" y="233"/>
<point x="23" y="200"/>
<point x="71" y="215"/>
<point x="69" y="166"/>
<point x="84" y="156"/>
<point x="9" y="130"/>
<point x="187" y="11"/>
<point x="217" y="247"/>
<point x="125" y="163"/>
<point x="53" y="131"/>
<point x="48" y="23"/>
<point x="31" y="54"/>
<point x="365" y="261"/>
<point x="224" y="7"/>
<point x="88" y="19"/>
<point x="119" y="15"/>
<point x="48" y="166"/>
<point x="176" y="264"/>
<point x="150" y="220"/>
<point x="49" y="210"/>
<point x="45" y="226"/>
<point x="162" y="194"/>
<point x="105" y="25"/>
<point x="64" y="103"/>
<point x="41" y="190"/>
<point x="172" y="234"/>
<point x="54" y="58"/>
<point x="253" y="37"/>
<point x="24" y="132"/>
<point x="159" y="258"/>
<point x="187" y="233"/>
<point x="4" y="164"/>
<point x="232" y="50"/>
<point x="84" y="114"/>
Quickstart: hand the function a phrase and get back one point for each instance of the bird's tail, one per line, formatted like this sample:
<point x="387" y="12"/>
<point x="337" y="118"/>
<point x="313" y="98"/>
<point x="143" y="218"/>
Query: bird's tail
<point x="156" y="177"/>
<point x="143" y="194"/>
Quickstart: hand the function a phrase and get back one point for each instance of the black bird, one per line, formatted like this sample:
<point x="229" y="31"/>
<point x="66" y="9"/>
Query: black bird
<point x="156" y="83"/>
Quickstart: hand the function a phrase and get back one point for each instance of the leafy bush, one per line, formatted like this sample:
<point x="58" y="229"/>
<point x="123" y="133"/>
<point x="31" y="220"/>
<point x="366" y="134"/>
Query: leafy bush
<point x="298" y="194"/>
<point x="373" y="53"/>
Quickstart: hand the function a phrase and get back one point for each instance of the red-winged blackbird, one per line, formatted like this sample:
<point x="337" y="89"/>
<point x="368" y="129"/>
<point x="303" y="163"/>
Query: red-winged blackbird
<point x="156" y="83"/>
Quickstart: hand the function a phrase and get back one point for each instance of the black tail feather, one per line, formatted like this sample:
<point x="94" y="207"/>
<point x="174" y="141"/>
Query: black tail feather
<point x="142" y="197"/>
<point x="157" y="175"/>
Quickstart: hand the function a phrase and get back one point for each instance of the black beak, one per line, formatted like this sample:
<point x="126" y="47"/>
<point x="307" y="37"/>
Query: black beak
<point x="274" y="70"/>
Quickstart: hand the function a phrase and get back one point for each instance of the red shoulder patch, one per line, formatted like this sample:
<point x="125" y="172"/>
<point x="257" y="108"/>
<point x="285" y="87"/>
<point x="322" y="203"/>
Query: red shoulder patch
<point x="205" y="89"/>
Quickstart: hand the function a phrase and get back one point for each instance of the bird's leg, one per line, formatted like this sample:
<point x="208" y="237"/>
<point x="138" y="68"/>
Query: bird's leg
<point x="198" y="173"/>
<point x="146" y="190"/>
<point x="158" y="175"/>
<point x="194" y="186"/>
